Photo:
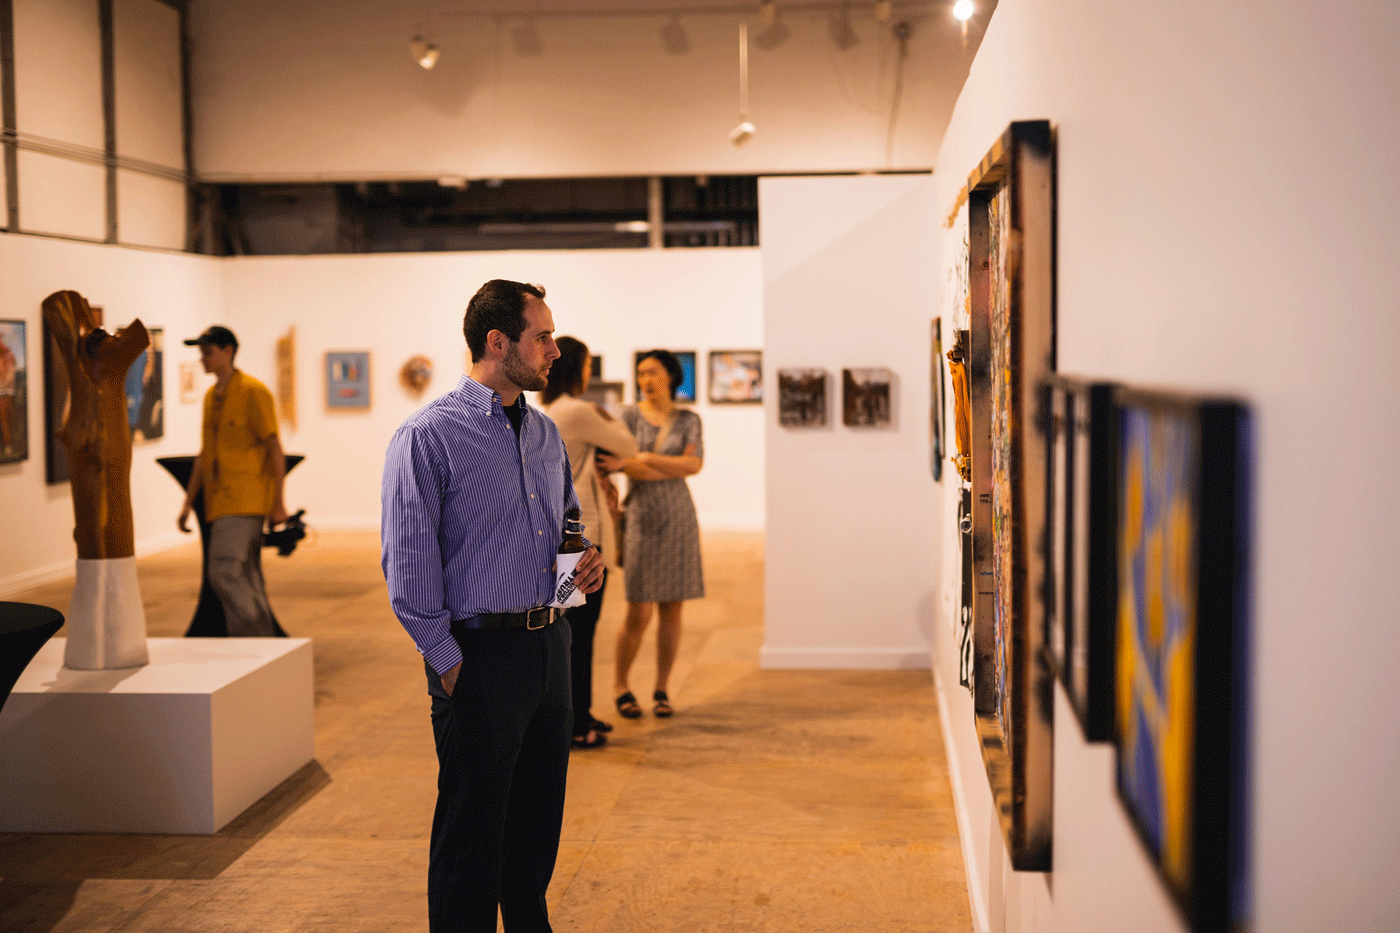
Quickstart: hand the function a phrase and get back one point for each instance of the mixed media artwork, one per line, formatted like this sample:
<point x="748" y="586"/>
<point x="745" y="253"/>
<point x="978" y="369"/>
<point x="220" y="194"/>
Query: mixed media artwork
<point x="14" y="392"/>
<point x="1081" y="587"/>
<point x="736" y="376"/>
<point x="866" y="397"/>
<point x="935" y="400"/>
<point x="802" y="398"/>
<point x="686" y="391"/>
<point x="347" y="379"/>
<point x="287" y="379"/>
<point x="1182" y="652"/>
<point x="145" y="391"/>
<point x="415" y="374"/>
<point x="1010" y="204"/>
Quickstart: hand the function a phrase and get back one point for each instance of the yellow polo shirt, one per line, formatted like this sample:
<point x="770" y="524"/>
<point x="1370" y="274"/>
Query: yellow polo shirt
<point x="234" y="454"/>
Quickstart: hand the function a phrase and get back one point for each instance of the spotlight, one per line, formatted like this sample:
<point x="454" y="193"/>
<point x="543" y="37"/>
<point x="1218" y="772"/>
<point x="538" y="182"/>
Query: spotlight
<point x="745" y="130"/>
<point x="459" y="182"/>
<point x="425" y="53"/>
<point x="963" y="10"/>
<point x="842" y="34"/>
<point x="884" y="9"/>
<point x="767" y="12"/>
<point x="526" y="39"/>
<point x="742" y="133"/>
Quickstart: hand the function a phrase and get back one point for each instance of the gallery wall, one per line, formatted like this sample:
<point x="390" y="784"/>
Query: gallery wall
<point x="1214" y="236"/>
<point x="180" y="294"/>
<point x="327" y="90"/>
<point x="398" y="306"/>
<point x="850" y="280"/>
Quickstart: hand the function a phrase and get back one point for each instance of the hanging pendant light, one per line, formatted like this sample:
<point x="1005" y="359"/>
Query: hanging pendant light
<point x="745" y="130"/>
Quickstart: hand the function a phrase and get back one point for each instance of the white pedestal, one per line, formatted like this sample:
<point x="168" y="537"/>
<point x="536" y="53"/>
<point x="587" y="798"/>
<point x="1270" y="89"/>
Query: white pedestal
<point x="181" y="745"/>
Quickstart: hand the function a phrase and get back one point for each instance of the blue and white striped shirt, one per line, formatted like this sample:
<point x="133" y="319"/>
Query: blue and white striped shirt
<point x="472" y="516"/>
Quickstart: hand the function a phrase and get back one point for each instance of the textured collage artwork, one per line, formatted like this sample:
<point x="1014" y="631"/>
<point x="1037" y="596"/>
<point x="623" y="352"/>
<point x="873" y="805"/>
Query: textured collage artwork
<point x="1157" y="628"/>
<point x="1003" y="427"/>
<point x="958" y="296"/>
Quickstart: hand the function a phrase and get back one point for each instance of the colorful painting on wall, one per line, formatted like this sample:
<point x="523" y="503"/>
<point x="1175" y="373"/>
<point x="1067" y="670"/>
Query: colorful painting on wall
<point x="1082" y="584"/>
<point x="1182" y="661"/>
<point x="736" y="377"/>
<point x="1010" y="205"/>
<point x="145" y="391"/>
<point x="867" y="397"/>
<point x="802" y="398"/>
<point x="14" y="392"/>
<point x="347" y="379"/>
<point x="686" y="391"/>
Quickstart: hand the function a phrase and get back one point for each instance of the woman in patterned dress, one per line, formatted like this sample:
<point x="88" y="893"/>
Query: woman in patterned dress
<point x="663" y="535"/>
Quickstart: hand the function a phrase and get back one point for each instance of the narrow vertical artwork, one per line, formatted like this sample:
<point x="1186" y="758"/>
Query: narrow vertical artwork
<point x="287" y="379"/>
<point x="1011" y="350"/>
<point x="1181" y="681"/>
<point x="145" y="391"/>
<point x="14" y="392"/>
<point x="936" y="403"/>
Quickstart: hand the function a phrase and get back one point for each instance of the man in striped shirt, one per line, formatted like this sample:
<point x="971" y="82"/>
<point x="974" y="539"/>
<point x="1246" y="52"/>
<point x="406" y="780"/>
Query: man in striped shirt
<point x="475" y="489"/>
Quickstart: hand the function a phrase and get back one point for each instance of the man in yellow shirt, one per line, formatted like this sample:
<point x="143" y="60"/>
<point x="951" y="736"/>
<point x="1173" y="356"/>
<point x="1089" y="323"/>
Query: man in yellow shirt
<point x="240" y="470"/>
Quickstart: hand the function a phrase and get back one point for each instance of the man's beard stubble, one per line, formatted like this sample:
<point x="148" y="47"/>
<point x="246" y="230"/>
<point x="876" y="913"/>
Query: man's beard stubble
<point x="523" y="376"/>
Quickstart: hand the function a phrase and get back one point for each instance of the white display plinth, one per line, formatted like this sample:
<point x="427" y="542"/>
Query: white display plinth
<point x="181" y="745"/>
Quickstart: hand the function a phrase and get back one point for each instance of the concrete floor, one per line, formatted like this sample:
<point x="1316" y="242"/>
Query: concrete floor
<point x="773" y="800"/>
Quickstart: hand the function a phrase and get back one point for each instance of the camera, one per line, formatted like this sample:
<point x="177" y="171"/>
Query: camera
<point x="288" y="536"/>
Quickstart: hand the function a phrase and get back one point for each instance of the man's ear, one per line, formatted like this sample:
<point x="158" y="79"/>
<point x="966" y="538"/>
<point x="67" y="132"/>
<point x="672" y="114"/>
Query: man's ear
<point x="497" y="341"/>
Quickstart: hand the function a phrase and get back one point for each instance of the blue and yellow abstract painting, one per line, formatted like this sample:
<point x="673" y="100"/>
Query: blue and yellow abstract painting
<point x="1157" y="534"/>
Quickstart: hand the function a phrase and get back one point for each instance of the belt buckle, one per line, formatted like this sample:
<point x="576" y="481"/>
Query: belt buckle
<point x="548" y="614"/>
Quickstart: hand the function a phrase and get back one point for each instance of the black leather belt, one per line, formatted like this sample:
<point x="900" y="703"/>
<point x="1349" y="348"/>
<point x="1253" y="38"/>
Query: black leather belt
<point x="532" y="619"/>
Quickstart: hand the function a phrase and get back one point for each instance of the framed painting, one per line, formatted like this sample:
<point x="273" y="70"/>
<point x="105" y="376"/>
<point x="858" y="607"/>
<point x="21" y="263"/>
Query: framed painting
<point x="1181" y="683"/>
<point x="686" y="391"/>
<point x="936" y="400"/>
<point x="347" y="379"/>
<point x="867" y="397"/>
<point x="189" y="383"/>
<point x="1081" y="584"/>
<point x="802" y="398"/>
<point x="1011" y="261"/>
<point x="610" y="395"/>
<point x="145" y="391"/>
<point x="287" y="379"/>
<point x="14" y="392"/>
<point x="736" y="377"/>
<point x="595" y="367"/>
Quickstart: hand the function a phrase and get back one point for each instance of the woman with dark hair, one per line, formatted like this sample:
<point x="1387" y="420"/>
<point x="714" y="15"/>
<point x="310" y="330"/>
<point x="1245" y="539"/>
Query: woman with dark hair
<point x="663" y="535"/>
<point x="586" y="429"/>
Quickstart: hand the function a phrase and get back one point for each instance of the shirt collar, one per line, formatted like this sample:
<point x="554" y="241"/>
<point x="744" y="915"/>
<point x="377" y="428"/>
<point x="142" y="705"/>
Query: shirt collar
<point x="483" y="399"/>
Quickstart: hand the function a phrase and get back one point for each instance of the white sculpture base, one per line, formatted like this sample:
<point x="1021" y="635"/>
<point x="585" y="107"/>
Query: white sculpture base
<point x="182" y="745"/>
<point x="106" y="624"/>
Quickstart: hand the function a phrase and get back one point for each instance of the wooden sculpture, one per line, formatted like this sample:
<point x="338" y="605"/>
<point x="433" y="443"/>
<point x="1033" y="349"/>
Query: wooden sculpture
<point x="96" y="434"/>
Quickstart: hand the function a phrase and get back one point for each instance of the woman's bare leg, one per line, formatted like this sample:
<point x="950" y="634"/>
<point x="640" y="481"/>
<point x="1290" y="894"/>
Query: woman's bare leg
<point x="668" y="641"/>
<point x="629" y="642"/>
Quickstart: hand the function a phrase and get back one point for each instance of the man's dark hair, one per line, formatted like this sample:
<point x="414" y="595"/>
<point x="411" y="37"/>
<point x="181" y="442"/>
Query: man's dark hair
<point x="566" y="373"/>
<point x="672" y="365"/>
<point x="497" y="305"/>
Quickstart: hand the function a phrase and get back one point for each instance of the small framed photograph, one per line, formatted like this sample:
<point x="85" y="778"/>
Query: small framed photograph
<point x="686" y="391"/>
<point x="189" y="383"/>
<point x="866" y="397"/>
<point x="347" y="379"/>
<point x="610" y="395"/>
<point x="736" y="377"/>
<point x="595" y="367"/>
<point x="14" y="392"/>
<point x="802" y="398"/>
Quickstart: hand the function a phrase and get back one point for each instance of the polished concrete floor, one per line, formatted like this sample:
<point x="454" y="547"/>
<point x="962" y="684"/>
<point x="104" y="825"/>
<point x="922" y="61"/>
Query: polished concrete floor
<point x="772" y="801"/>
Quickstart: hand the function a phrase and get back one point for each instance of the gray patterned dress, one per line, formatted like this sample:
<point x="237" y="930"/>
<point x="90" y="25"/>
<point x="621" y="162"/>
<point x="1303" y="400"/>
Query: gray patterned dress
<point x="663" y="534"/>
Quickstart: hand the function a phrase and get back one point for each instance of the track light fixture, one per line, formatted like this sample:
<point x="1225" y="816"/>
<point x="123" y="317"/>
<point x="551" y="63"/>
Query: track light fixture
<point x="767" y="13"/>
<point x="425" y="53"/>
<point x="963" y="10"/>
<point x="883" y="11"/>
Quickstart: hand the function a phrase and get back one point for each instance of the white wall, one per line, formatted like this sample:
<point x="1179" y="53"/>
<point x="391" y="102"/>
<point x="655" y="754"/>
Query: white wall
<point x="849" y="280"/>
<point x="401" y="305"/>
<point x="327" y="89"/>
<point x="1226" y="223"/>
<point x="181" y="294"/>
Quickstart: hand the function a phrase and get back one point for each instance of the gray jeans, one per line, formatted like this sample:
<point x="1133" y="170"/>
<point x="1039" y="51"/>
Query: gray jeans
<point x="235" y="573"/>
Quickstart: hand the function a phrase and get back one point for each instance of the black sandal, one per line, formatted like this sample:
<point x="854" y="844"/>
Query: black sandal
<point x="600" y="726"/>
<point x="662" y="709"/>
<point x="583" y="741"/>
<point x="627" y="706"/>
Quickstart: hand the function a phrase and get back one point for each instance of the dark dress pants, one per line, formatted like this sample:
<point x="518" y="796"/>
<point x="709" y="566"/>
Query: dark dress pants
<point x="583" y="620"/>
<point x="503" y="756"/>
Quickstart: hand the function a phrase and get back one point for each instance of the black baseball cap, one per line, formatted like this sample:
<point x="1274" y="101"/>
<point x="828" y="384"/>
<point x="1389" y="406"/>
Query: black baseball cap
<point x="216" y="334"/>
